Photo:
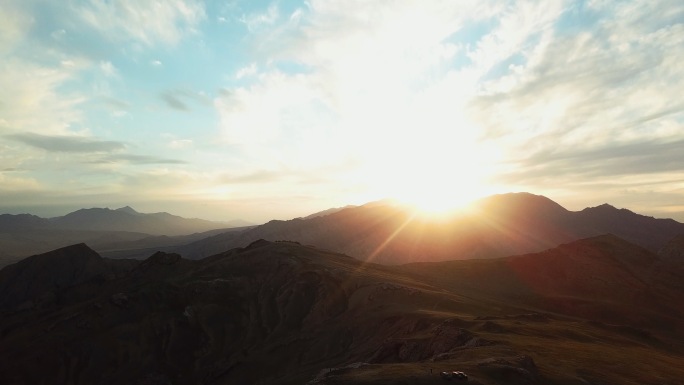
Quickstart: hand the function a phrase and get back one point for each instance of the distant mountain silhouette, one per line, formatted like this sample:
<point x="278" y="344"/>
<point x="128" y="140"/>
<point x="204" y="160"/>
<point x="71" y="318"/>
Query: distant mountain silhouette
<point x="497" y="226"/>
<point x="127" y="219"/>
<point x="283" y="313"/>
<point x="327" y="212"/>
<point x="129" y="210"/>
<point x="21" y="222"/>
<point x="102" y="228"/>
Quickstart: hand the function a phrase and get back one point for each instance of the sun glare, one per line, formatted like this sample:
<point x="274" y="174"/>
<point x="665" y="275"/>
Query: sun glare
<point x="438" y="200"/>
<point x="434" y="187"/>
<point x="444" y="177"/>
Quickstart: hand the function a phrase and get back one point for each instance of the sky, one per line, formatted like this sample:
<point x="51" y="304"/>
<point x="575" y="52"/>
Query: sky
<point x="260" y="110"/>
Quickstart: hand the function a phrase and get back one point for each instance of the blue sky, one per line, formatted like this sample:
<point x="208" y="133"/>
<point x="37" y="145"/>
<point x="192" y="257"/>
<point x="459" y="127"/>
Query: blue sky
<point x="276" y="109"/>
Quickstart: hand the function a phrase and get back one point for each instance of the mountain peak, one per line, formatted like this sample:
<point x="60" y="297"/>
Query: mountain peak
<point x="605" y="206"/>
<point x="27" y="279"/>
<point x="128" y="209"/>
<point x="523" y="203"/>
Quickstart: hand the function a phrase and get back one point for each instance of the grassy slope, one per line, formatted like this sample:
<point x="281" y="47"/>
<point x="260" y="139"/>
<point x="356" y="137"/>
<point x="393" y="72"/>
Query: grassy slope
<point x="601" y="335"/>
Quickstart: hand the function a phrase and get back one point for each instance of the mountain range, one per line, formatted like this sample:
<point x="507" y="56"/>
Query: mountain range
<point x="497" y="226"/>
<point x="106" y="229"/>
<point x="121" y="219"/>
<point x="596" y="311"/>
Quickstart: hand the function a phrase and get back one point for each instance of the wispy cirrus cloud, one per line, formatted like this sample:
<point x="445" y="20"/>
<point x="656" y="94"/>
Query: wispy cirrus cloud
<point x="138" y="159"/>
<point x="256" y="20"/>
<point x="641" y="159"/>
<point x="59" y="143"/>
<point x="149" y="23"/>
<point x="180" y="99"/>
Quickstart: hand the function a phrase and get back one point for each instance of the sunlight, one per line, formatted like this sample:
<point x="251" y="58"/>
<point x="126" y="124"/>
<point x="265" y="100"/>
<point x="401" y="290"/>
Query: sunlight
<point x="441" y="196"/>
<point x="438" y="171"/>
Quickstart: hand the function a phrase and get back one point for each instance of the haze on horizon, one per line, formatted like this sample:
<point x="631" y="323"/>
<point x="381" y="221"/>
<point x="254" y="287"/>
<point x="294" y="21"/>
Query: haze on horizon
<point x="277" y="109"/>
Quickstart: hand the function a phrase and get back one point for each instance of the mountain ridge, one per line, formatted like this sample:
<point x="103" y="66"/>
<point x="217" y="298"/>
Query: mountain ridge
<point x="496" y="226"/>
<point x="23" y="235"/>
<point x="312" y="315"/>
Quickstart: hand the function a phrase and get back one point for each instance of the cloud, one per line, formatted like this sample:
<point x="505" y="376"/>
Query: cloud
<point x="258" y="177"/>
<point x="55" y="143"/>
<point x="257" y="20"/>
<point x="116" y="104"/>
<point x="15" y="24"/>
<point x="247" y="71"/>
<point x="599" y="164"/>
<point x="535" y="95"/>
<point x="138" y="159"/>
<point x="369" y="82"/>
<point x="11" y="183"/>
<point x="173" y="101"/>
<point x="180" y="143"/>
<point x="607" y="78"/>
<point x="178" y="99"/>
<point x="149" y="23"/>
<point x="30" y="100"/>
<point x="108" y="69"/>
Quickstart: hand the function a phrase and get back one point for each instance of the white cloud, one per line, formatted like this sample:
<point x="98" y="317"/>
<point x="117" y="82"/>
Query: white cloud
<point x="246" y="71"/>
<point x="257" y="20"/>
<point x="13" y="183"/>
<point x="15" y="24"/>
<point x="180" y="143"/>
<point x="393" y="78"/>
<point x="30" y="100"/>
<point x="108" y="69"/>
<point x="591" y="87"/>
<point x="373" y="85"/>
<point x="147" y="22"/>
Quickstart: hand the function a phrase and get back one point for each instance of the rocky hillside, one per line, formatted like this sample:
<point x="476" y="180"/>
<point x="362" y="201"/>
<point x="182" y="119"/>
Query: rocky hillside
<point x="282" y="313"/>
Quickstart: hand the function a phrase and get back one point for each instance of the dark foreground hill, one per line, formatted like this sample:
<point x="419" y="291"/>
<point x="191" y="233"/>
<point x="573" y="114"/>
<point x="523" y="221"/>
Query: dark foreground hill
<point x="497" y="226"/>
<point x="596" y="311"/>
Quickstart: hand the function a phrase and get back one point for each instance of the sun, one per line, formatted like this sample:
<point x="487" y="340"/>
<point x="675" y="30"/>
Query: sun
<point x="440" y="198"/>
<point x="437" y="175"/>
<point x="432" y="186"/>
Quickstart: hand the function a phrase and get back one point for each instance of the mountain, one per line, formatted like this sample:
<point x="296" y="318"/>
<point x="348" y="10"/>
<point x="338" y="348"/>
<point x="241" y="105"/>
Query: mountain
<point x="42" y="277"/>
<point x="327" y="212"/>
<point x="496" y="226"/>
<point x="127" y="219"/>
<point x="593" y="311"/>
<point x="9" y="222"/>
<point x="103" y="229"/>
<point x="600" y="278"/>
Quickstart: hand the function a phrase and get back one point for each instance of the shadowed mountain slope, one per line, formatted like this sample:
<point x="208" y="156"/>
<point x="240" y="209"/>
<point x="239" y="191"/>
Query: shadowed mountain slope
<point x="282" y="313"/>
<point x="27" y="281"/>
<point x="497" y="226"/>
<point x="601" y="278"/>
